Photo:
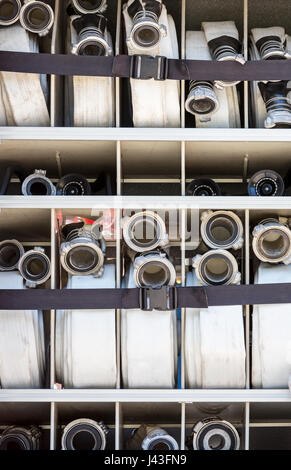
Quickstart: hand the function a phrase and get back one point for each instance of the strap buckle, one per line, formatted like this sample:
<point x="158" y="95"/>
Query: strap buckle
<point x="163" y="298"/>
<point x="145" y="67"/>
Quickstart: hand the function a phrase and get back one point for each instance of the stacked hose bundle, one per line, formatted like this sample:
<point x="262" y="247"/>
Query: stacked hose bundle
<point x="148" y="339"/>
<point x="85" y="339"/>
<point x="214" y="337"/>
<point x="271" y="361"/>
<point x="90" y="100"/>
<point x="214" y="103"/>
<point x="24" y="98"/>
<point x="271" y="103"/>
<point x="150" y="30"/>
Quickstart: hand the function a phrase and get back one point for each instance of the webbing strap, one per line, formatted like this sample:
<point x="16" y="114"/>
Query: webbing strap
<point x="122" y="66"/>
<point x="167" y="298"/>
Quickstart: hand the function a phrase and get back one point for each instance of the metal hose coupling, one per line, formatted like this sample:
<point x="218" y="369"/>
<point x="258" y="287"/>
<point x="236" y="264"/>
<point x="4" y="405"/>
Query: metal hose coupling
<point x="11" y="252"/>
<point x="224" y="45"/>
<point x="216" y="268"/>
<point x="37" y="184"/>
<point x="37" y="17"/>
<point x="153" y="270"/>
<point x="20" y="438"/>
<point x="84" y="434"/>
<point x="146" y="32"/>
<point x="91" y="29"/>
<point x="83" y="250"/>
<point x="73" y="184"/>
<point x="35" y="267"/>
<point x="153" y="438"/>
<point x="266" y="183"/>
<point x="222" y="230"/>
<point x="278" y="104"/>
<point x="89" y="6"/>
<point x="203" y="187"/>
<point x="272" y="241"/>
<point x="9" y="12"/>
<point x="271" y="43"/>
<point x="215" y="434"/>
<point x="145" y="231"/>
<point x="202" y="99"/>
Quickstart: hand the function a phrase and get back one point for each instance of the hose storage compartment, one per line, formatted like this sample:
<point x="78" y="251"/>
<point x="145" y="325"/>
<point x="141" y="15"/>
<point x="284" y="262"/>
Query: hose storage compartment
<point x="154" y="103"/>
<point x="22" y="348"/>
<point x="86" y="339"/>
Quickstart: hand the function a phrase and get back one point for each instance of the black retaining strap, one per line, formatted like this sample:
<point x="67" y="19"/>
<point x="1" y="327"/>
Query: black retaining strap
<point x="166" y="298"/>
<point x="144" y="67"/>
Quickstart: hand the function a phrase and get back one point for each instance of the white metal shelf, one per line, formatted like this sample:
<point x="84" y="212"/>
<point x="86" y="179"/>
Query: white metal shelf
<point x="145" y="396"/>
<point x="97" y="203"/>
<point x="144" y="134"/>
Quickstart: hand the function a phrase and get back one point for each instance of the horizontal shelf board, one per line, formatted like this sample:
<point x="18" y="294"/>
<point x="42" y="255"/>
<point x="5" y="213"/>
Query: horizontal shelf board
<point x="97" y="203"/>
<point x="147" y="134"/>
<point x="147" y="396"/>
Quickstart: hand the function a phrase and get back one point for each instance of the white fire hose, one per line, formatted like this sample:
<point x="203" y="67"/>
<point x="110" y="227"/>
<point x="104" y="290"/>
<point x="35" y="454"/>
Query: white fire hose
<point x="149" y="339"/>
<point x="154" y="103"/>
<point x="271" y="338"/>
<point x="212" y="106"/>
<point x="271" y="105"/>
<point x="90" y="100"/>
<point x="214" y="337"/>
<point x="22" y="350"/>
<point x="23" y="96"/>
<point x="86" y="339"/>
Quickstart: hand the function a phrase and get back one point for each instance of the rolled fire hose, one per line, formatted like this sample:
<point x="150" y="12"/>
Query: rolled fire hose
<point x="84" y="434"/>
<point x="212" y="106"/>
<point x="86" y="339"/>
<point x="223" y="42"/>
<point x="152" y="438"/>
<point x="37" y="17"/>
<point x="272" y="241"/>
<point x="37" y="184"/>
<point x="145" y="231"/>
<point x="22" y="351"/>
<point x="9" y="12"/>
<point x="154" y="103"/>
<point x="20" y="438"/>
<point x="84" y="7"/>
<point x="222" y="229"/>
<point x="215" y="434"/>
<point x="82" y="253"/>
<point x="214" y="337"/>
<point x="271" y="338"/>
<point x="90" y="100"/>
<point x="266" y="183"/>
<point x="203" y="187"/>
<point x="270" y="104"/>
<point x="11" y="251"/>
<point x="149" y="339"/>
<point x="23" y="96"/>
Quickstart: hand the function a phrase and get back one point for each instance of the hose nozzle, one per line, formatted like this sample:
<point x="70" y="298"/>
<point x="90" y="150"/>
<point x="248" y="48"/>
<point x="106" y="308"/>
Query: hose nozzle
<point x="145" y="231"/>
<point x="202" y="99"/>
<point x="81" y="252"/>
<point x="91" y="30"/>
<point x="85" y="434"/>
<point x="89" y="6"/>
<point x="11" y="252"/>
<point x="272" y="242"/>
<point x="37" y="17"/>
<point x="215" y="434"/>
<point x="9" y="12"/>
<point x="153" y="270"/>
<point x="35" y="267"/>
<point x="37" y="184"/>
<point x="216" y="268"/>
<point x="151" y="438"/>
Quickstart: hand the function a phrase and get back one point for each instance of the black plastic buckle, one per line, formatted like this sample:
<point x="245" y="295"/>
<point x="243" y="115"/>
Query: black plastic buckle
<point x="145" y="67"/>
<point x="163" y="298"/>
